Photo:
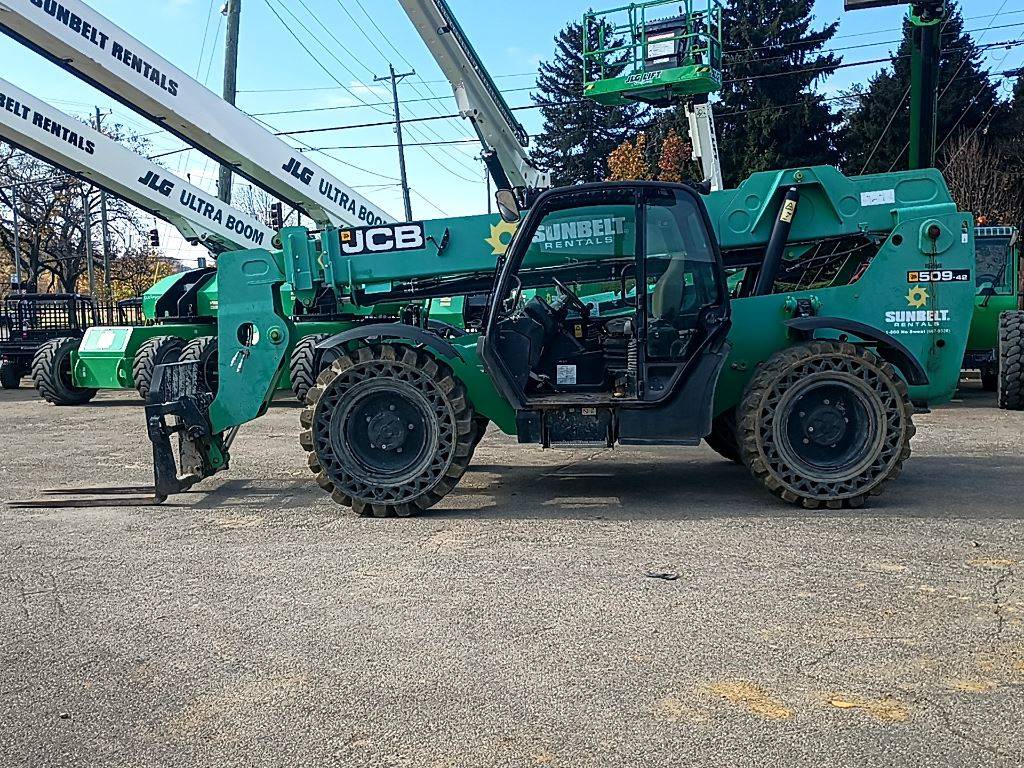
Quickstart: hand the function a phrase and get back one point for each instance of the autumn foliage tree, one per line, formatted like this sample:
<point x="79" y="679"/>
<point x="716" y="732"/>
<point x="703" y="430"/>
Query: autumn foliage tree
<point x="628" y="161"/>
<point x="673" y="157"/>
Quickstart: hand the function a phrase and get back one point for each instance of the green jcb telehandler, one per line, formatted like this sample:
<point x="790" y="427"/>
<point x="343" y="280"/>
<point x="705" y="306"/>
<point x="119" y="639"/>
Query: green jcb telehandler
<point x="809" y="371"/>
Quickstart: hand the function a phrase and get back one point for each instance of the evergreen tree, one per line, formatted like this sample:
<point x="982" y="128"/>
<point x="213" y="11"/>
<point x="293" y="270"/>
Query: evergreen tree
<point x="578" y="135"/>
<point x="774" y="60"/>
<point x="876" y="134"/>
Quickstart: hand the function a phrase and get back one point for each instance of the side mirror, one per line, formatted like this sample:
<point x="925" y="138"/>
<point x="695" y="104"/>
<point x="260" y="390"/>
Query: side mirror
<point x="508" y="206"/>
<point x="987" y="289"/>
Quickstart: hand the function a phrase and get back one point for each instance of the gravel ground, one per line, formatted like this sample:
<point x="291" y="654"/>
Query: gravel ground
<point x="258" y="625"/>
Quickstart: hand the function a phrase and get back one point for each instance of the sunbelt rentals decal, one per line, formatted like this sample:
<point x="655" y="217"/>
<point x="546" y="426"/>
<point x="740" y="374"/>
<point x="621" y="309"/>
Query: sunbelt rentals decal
<point x="917" y="319"/>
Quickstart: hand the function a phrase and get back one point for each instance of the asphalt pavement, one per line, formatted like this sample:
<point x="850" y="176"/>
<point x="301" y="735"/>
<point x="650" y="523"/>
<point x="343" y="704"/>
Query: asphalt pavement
<point x="562" y="608"/>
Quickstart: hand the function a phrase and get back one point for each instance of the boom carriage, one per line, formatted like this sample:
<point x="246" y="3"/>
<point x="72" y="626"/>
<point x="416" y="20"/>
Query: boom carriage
<point x="817" y="355"/>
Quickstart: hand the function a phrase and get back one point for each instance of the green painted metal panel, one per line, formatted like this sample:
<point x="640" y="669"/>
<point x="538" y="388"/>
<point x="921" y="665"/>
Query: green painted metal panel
<point x="106" y="354"/>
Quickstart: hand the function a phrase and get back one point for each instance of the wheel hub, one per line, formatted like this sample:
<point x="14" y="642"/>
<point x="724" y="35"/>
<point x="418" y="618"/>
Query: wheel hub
<point x="825" y="425"/>
<point x="831" y="429"/>
<point x="387" y="431"/>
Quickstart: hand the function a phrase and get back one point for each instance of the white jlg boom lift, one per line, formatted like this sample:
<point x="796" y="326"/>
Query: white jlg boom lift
<point x="505" y="141"/>
<point x="90" y="46"/>
<point x="61" y="140"/>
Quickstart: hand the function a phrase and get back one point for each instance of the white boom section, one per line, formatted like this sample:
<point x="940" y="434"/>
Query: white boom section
<point x="705" y="143"/>
<point x="478" y="99"/>
<point x="90" y="46"/>
<point x="57" y="138"/>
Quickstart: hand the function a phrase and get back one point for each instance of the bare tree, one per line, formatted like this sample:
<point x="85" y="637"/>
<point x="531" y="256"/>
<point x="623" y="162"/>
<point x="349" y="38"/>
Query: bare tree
<point x="51" y="209"/>
<point x="981" y="183"/>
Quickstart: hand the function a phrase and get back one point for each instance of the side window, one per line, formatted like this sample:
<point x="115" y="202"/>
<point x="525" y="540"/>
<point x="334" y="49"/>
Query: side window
<point x="682" y="277"/>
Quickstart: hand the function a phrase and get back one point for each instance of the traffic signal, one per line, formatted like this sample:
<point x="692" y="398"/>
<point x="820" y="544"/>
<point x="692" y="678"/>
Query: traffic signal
<point x="277" y="216"/>
<point x="154" y="238"/>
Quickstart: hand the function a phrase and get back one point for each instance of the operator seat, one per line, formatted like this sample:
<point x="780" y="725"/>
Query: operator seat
<point x="667" y="297"/>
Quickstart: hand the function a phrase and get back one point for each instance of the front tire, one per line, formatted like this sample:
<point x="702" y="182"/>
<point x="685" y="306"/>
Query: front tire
<point x="156" y="351"/>
<point x="826" y="424"/>
<point x="51" y="373"/>
<point x="1011" y="361"/>
<point x="389" y="431"/>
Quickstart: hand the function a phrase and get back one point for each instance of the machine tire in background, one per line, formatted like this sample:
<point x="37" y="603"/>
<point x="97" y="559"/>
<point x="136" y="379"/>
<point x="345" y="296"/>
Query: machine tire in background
<point x="990" y="379"/>
<point x="154" y="352"/>
<point x="723" y="439"/>
<point x="203" y="350"/>
<point x="389" y="430"/>
<point x="10" y="374"/>
<point x="51" y="373"/>
<point x="1011" y="361"/>
<point x="305" y="365"/>
<point x="826" y="424"/>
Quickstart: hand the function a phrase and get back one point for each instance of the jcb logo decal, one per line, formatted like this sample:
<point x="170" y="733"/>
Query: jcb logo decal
<point x="384" y="239"/>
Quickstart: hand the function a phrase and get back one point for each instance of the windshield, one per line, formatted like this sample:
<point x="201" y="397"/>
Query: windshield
<point x="994" y="263"/>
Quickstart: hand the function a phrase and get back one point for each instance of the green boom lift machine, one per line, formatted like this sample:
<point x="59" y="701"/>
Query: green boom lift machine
<point x="808" y="369"/>
<point x="996" y="343"/>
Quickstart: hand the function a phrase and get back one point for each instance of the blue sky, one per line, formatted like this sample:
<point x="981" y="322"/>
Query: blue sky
<point x="278" y="79"/>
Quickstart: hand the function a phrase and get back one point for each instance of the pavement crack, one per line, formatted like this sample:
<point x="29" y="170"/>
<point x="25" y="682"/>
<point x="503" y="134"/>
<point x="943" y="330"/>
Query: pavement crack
<point x="966" y="738"/>
<point x="997" y="610"/>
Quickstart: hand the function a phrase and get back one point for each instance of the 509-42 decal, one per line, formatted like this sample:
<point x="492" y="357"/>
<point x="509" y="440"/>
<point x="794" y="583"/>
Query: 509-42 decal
<point x="940" y="276"/>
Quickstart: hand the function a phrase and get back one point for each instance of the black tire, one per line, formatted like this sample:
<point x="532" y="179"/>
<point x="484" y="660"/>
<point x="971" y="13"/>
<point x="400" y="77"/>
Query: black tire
<point x="156" y="351"/>
<point x="723" y="439"/>
<point x="305" y="365"/>
<point x="388" y="393"/>
<point x="1011" y="361"/>
<point x="826" y="424"/>
<point x="11" y="374"/>
<point x="203" y="350"/>
<point x="51" y="373"/>
<point x="990" y="379"/>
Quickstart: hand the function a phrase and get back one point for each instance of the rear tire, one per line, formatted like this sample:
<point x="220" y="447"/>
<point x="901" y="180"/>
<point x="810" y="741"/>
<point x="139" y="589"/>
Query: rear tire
<point x="306" y="365"/>
<point x="156" y="351"/>
<point x="1011" y="361"/>
<point x="51" y="373"/>
<point x="826" y="424"/>
<point x="389" y="431"/>
<point x="203" y="350"/>
<point x="723" y="439"/>
<point x="11" y="374"/>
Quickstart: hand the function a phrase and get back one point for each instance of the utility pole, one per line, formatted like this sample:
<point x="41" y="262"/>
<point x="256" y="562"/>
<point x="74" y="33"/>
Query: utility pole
<point x="105" y="230"/>
<point x="87" y="229"/>
<point x="395" y="80"/>
<point x="234" y="13"/>
<point x="17" y="237"/>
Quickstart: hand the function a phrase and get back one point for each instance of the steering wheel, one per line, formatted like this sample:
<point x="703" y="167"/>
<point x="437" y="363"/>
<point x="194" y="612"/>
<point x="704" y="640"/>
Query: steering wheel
<point x="574" y="301"/>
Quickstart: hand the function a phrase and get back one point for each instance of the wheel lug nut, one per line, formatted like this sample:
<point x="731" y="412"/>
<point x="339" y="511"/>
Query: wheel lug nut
<point x="399" y="450"/>
<point x="412" y="427"/>
<point x="367" y="419"/>
<point x="391" y="407"/>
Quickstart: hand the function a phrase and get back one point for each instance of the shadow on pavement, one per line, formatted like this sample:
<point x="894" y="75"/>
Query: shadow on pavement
<point x="934" y="487"/>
